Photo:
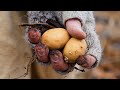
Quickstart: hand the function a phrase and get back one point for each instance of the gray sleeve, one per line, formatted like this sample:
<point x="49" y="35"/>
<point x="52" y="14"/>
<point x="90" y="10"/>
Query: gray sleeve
<point x="63" y="16"/>
<point x="74" y="14"/>
<point x="94" y="45"/>
<point x="88" y="25"/>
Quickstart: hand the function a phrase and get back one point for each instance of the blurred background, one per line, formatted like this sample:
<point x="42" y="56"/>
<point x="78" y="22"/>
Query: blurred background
<point x="108" y="29"/>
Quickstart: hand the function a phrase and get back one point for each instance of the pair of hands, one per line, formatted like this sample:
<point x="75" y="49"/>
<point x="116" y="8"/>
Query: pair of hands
<point x="75" y="26"/>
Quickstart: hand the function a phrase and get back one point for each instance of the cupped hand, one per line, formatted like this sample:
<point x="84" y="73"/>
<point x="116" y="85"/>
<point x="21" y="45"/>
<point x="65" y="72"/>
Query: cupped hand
<point x="74" y="28"/>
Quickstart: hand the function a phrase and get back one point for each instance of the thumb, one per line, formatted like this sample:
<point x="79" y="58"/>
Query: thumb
<point x="74" y="28"/>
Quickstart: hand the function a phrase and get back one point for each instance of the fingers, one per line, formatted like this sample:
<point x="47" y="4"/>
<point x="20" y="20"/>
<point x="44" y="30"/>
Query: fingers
<point x="73" y="27"/>
<point x="57" y="61"/>
<point x="34" y="36"/>
<point x="55" y="57"/>
<point x="86" y="61"/>
<point x="42" y="53"/>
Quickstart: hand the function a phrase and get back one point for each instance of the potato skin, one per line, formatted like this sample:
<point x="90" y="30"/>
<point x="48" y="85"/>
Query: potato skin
<point x="42" y="52"/>
<point x="73" y="49"/>
<point x="55" y="38"/>
<point x="57" y="61"/>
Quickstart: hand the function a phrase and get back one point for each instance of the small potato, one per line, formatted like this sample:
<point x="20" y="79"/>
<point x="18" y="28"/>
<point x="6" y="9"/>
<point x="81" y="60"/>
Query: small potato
<point x="73" y="49"/>
<point x="57" y="61"/>
<point x="55" y="38"/>
<point x="42" y="52"/>
<point x="34" y="36"/>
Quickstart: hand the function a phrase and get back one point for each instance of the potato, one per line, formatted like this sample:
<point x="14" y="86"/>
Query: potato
<point x="55" y="38"/>
<point x="73" y="49"/>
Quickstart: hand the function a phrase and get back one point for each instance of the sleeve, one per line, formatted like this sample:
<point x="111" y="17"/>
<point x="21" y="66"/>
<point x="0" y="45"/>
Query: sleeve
<point x="93" y="41"/>
<point x="88" y="24"/>
<point x="74" y="14"/>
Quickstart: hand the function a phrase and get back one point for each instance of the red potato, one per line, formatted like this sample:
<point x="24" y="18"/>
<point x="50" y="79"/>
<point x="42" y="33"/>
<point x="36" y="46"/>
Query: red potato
<point x="42" y="52"/>
<point x="34" y="36"/>
<point x="57" y="61"/>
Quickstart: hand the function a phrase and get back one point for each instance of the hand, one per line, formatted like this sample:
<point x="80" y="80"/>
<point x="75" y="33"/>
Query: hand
<point x="74" y="28"/>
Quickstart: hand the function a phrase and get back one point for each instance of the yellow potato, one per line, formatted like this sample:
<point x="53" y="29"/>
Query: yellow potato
<point x="73" y="49"/>
<point x="55" y="38"/>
